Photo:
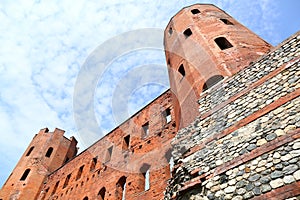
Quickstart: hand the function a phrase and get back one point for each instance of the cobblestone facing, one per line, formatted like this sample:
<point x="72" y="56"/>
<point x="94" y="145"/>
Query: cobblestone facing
<point x="282" y="84"/>
<point x="266" y="172"/>
<point x="256" y="71"/>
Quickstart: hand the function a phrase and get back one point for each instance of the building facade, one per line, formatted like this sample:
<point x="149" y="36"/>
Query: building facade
<point x="228" y="128"/>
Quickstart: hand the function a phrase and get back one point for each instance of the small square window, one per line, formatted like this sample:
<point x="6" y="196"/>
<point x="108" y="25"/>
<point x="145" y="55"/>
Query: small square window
<point x="187" y="33"/>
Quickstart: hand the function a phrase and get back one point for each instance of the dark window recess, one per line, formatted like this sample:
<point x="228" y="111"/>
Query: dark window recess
<point x="121" y="188"/>
<point x="146" y="129"/>
<point x="181" y="70"/>
<point x="67" y="181"/>
<point x="195" y="11"/>
<point x="101" y="193"/>
<point x="85" y="198"/>
<point x="108" y="154"/>
<point x="187" y="33"/>
<point x="126" y="142"/>
<point x="212" y="81"/>
<point x="25" y="174"/>
<point x="167" y="115"/>
<point x="55" y="188"/>
<point x="223" y="43"/>
<point x="145" y="169"/>
<point x="226" y="21"/>
<point x="79" y="172"/>
<point x="93" y="164"/>
<point x="29" y="151"/>
<point x="49" y="152"/>
<point x="170" y="31"/>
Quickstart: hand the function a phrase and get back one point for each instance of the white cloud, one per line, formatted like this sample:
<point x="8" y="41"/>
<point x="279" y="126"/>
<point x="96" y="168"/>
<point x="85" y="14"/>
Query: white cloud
<point x="44" y="44"/>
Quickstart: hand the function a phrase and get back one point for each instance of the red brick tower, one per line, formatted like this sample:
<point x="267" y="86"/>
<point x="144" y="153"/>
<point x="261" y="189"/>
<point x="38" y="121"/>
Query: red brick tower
<point x="204" y="45"/>
<point x="47" y="152"/>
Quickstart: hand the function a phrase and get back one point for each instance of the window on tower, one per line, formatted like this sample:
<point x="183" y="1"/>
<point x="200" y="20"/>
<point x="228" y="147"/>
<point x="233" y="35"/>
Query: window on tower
<point x="29" y="151"/>
<point x="187" y="33"/>
<point x="195" y="11"/>
<point x="49" y="152"/>
<point x="226" y="21"/>
<point x="223" y="43"/>
<point x="181" y="70"/>
<point x="25" y="174"/>
<point x="212" y="81"/>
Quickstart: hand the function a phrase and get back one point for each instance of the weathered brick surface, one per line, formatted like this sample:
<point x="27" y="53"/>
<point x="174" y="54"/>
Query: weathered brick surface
<point x="200" y="55"/>
<point x="39" y="164"/>
<point x="125" y="161"/>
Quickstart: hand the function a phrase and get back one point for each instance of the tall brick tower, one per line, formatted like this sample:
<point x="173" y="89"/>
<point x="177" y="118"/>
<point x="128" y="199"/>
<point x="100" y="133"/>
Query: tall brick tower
<point x="204" y="45"/>
<point x="47" y="152"/>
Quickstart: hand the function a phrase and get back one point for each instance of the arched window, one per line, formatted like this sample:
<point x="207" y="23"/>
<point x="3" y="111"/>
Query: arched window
<point x="101" y="193"/>
<point x="25" y="174"/>
<point x="49" y="152"/>
<point x="212" y="81"/>
<point x="85" y="198"/>
<point x="223" y="43"/>
<point x="121" y="188"/>
<point x="29" y="151"/>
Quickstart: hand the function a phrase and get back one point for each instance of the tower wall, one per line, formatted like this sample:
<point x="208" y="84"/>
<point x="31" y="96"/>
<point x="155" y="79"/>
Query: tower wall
<point x="245" y="142"/>
<point x="46" y="152"/>
<point x="203" y="45"/>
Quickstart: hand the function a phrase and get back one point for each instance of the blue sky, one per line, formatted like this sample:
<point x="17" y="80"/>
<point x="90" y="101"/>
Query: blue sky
<point x="44" y="44"/>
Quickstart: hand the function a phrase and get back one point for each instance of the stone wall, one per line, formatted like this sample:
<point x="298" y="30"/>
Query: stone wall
<point x="244" y="144"/>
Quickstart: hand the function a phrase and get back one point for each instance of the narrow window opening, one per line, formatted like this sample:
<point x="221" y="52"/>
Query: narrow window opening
<point x="29" y="151"/>
<point x="226" y="21"/>
<point x="67" y="181"/>
<point x="187" y="33"/>
<point x="146" y="129"/>
<point x="223" y="43"/>
<point x="78" y="176"/>
<point x="93" y="164"/>
<point x="121" y="188"/>
<point x="181" y="70"/>
<point x="126" y="142"/>
<point x="108" y="154"/>
<point x="145" y="169"/>
<point x="85" y="198"/>
<point x="49" y="152"/>
<point x="101" y="193"/>
<point x="170" y="31"/>
<point x="171" y="164"/>
<point x="195" y="11"/>
<point x="212" y="81"/>
<point x="55" y="188"/>
<point x="25" y="174"/>
<point x="167" y="115"/>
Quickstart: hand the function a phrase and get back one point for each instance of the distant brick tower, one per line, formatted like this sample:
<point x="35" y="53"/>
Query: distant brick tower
<point x="47" y="152"/>
<point x="204" y="45"/>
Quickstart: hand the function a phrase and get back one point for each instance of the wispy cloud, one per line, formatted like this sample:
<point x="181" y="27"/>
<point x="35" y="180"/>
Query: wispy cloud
<point x="44" y="44"/>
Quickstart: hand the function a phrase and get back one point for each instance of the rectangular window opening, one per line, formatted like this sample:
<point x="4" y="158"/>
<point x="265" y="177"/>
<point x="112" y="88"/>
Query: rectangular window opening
<point x="55" y="188"/>
<point x="146" y="129"/>
<point x="187" y="33"/>
<point x="167" y="115"/>
<point x="67" y="181"/>
<point x="223" y="43"/>
<point x="93" y="164"/>
<point x="108" y="154"/>
<point x="195" y="11"/>
<point x="79" y="172"/>
<point x="126" y="142"/>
